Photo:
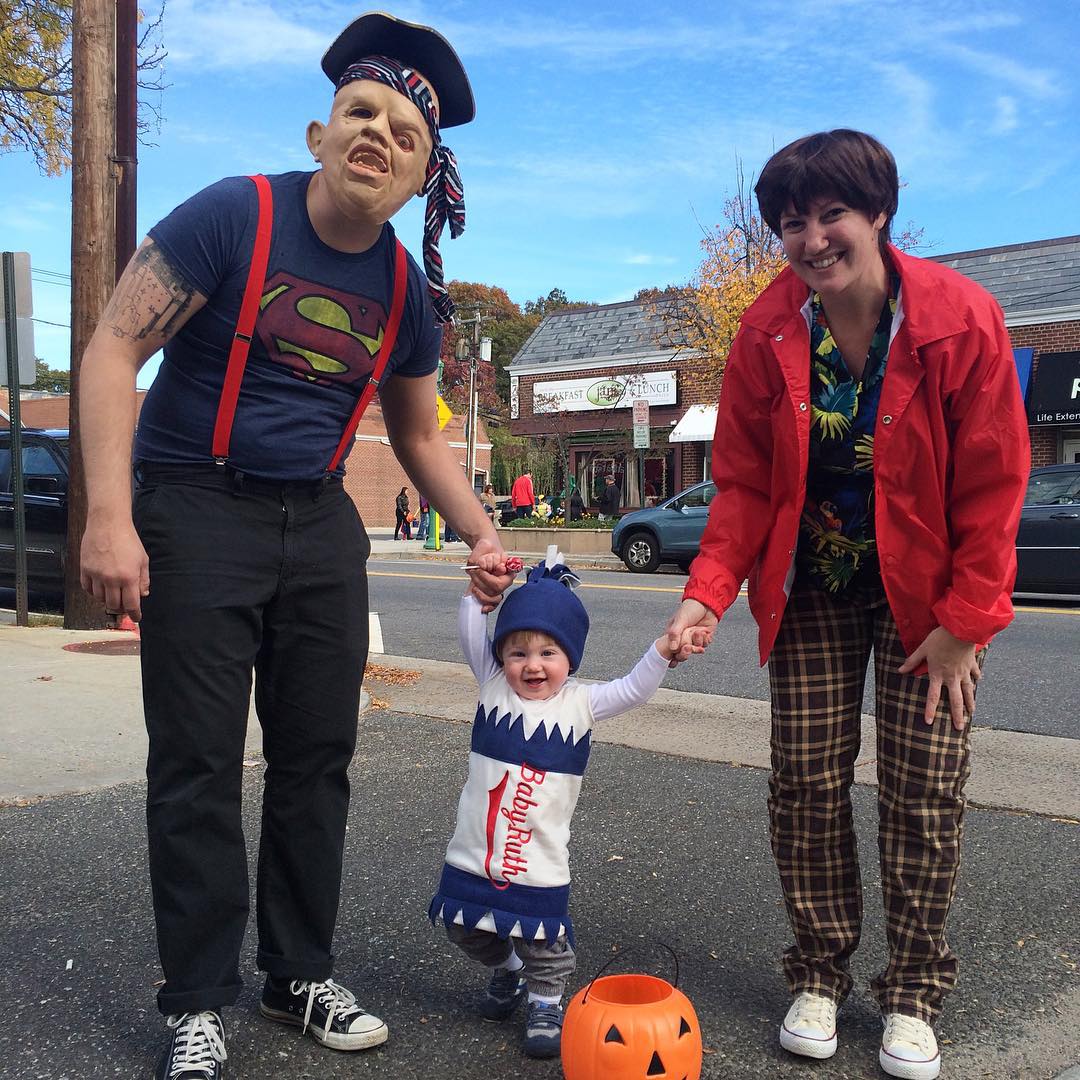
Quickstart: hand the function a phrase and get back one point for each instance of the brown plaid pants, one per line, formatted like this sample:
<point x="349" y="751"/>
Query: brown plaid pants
<point x="817" y="672"/>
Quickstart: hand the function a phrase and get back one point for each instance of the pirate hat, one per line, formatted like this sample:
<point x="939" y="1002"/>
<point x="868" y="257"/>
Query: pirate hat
<point x="419" y="47"/>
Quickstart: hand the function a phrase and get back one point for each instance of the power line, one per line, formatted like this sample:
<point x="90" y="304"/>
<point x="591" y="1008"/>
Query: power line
<point x="64" y="325"/>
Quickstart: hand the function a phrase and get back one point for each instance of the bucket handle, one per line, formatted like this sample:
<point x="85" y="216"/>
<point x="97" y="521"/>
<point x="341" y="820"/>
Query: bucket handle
<point x="632" y="948"/>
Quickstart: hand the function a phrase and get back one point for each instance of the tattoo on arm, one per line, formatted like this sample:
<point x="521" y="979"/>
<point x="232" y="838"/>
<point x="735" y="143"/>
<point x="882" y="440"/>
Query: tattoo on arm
<point x="152" y="299"/>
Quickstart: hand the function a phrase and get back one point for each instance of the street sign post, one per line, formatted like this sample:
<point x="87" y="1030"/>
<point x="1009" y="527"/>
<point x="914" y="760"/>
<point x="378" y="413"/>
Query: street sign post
<point x="641" y="442"/>
<point x="16" y="268"/>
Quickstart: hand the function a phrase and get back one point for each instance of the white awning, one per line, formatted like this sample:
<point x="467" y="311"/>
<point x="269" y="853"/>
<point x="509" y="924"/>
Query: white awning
<point x="697" y="425"/>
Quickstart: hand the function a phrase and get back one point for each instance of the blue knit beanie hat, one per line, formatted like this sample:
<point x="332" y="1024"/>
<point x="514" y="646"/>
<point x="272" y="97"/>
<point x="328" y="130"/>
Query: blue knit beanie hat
<point x="546" y="603"/>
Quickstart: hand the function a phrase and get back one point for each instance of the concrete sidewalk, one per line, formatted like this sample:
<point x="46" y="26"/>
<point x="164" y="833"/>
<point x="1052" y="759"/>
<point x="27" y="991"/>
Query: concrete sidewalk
<point x="670" y="842"/>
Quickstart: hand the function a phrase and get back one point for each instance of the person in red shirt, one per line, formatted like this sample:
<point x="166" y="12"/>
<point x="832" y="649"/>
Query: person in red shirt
<point x="870" y="461"/>
<point x="521" y="495"/>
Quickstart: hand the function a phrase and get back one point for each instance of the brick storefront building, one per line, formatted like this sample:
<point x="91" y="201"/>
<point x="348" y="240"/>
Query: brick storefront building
<point x="604" y="349"/>
<point x="1038" y="287"/>
<point x="373" y="476"/>
<point x="576" y="378"/>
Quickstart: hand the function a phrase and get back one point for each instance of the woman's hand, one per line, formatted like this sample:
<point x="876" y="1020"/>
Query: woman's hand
<point x="689" y="630"/>
<point x="951" y="663"/>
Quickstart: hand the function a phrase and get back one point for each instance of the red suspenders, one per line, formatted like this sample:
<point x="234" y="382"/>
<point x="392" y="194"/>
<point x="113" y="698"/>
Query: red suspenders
<point x="245" y="328"/>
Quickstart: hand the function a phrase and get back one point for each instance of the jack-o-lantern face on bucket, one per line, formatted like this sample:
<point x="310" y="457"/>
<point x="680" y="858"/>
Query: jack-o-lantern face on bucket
<point x="626" y="1027"/>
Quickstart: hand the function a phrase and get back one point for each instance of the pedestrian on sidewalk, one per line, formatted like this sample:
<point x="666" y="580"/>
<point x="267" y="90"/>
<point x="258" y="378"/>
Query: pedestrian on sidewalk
<point x="506" y="875"/>
<point x="610" y="498"/>
<point x="402" y="515"/>
<point x="424" y="518"/>
<point x="489" y="502"/>
<point x="243" y="551"/>
<point x="575" y="506"/>
<point x="885" y="496"/>
<point x="522" y="497"/>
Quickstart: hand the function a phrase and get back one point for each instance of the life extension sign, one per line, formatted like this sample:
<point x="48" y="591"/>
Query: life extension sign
<point x="1055" y="395"/>
<point x="616" y="392"/>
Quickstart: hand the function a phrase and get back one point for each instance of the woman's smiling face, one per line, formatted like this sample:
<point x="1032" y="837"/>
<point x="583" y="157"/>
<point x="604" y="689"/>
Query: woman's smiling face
<point x="832" y="246"/>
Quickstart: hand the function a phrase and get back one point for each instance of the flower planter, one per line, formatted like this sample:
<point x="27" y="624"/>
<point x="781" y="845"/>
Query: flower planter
<point x="570" y="541"/>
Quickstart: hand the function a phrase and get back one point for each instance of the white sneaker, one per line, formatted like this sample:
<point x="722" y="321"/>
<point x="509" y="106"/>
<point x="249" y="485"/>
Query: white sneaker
<point x="908" y="1048"/>
<point x="810" y="1026"/>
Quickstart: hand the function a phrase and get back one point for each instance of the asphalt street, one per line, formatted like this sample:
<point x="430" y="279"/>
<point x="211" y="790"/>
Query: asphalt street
<point x="1030" y="682"/>
<point x="666" y="848"/>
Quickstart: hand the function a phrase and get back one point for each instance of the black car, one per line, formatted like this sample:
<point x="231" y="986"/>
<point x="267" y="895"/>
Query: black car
<point x="45" y="488"/>
<point x="1048" y="544"/>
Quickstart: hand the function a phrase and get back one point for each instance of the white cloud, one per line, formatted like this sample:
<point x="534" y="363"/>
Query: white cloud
<point x="1005" y="115"/>
<point x="241" y="34"/>
<point x="645" y="259"/>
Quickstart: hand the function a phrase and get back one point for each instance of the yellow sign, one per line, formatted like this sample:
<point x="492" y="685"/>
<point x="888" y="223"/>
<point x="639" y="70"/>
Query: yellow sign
<point x="444" y="412"/>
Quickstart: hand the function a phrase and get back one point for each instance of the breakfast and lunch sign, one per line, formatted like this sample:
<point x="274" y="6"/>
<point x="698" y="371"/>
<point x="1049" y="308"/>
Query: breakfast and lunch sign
<point x="615" y="392"/>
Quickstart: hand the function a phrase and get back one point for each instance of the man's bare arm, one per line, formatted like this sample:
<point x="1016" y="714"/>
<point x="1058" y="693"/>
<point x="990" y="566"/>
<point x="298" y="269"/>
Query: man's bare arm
<point x="150" y="304"/>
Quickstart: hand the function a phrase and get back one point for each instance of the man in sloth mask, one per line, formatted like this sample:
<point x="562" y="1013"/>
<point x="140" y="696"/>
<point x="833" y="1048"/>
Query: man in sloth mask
<point x="282" y="303"/>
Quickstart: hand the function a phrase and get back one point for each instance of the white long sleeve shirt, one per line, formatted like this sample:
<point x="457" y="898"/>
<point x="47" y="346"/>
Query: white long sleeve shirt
<point x="507" y="865"/>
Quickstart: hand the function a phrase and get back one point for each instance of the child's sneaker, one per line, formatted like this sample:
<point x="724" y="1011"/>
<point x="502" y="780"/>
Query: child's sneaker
<point x="909" y="1048"/>
<point x="326" y="1011"/>
<point x="505" y="993"/>
<point x="809" y="1028"/>
<point x="543" y="1030"/>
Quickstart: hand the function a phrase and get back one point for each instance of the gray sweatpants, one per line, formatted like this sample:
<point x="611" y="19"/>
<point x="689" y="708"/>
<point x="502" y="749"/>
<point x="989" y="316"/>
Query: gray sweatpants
<point x="548" y="964"/>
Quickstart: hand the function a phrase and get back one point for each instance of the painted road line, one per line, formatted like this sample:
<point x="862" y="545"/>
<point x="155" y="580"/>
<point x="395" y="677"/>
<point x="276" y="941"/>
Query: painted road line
<point x="1020" y="608"/>
<point x="584" y="584"/>
<point x="375" y="641"/>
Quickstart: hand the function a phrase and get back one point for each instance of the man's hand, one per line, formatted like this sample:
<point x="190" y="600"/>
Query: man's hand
<point x="491" y="578"/>
<point x="951" y="663"/>
<point x="114" y="566"/>
<point x="689" y="630"/>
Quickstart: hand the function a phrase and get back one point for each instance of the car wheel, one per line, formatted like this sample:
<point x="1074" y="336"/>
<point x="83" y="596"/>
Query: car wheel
<point x="641" y="553"/>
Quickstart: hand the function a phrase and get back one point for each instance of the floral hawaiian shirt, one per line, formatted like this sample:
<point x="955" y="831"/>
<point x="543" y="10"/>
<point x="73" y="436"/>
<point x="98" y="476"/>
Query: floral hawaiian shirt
<point x="837" y="548"/>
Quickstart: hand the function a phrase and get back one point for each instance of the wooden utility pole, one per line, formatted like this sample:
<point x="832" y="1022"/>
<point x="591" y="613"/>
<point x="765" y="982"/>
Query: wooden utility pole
<point x="127" y="129"/>
<point x="93" y="249"/>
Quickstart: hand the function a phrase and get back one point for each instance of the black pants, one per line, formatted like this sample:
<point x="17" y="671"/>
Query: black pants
<point x="402" y="525"/>
<point x="269" y="579"/>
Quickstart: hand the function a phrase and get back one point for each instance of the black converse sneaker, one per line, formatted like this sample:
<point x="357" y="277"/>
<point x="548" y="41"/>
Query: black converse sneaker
<point x="196" y="1049"/>
<point x="326" y="1011"/>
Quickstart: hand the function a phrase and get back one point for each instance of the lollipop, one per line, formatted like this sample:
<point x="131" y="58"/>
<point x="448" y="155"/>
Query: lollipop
<point x="514" y="565"/>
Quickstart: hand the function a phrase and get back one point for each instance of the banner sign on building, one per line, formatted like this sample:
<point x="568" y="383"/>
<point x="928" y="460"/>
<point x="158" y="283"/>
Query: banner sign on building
<point x="614" y="392"/>
<point x="1055" y="394"/>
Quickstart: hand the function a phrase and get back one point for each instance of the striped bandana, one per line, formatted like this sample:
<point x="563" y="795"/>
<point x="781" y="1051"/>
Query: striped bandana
<point x="442" y="185"/>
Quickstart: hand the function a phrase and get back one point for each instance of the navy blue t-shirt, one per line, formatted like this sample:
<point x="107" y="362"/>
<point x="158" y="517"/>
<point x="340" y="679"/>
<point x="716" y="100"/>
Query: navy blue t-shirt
<point x="321" y="320"/>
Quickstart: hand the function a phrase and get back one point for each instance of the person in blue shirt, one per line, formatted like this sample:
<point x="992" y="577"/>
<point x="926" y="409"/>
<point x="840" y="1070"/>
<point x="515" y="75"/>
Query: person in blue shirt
<point x="277" y="301"/>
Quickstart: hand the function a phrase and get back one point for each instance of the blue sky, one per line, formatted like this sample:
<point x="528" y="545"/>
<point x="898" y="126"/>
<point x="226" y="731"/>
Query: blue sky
<point x="607" y="134"/>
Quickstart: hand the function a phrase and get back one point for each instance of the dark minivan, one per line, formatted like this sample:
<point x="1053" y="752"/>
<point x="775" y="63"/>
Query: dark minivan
<point x="45" y="488"/>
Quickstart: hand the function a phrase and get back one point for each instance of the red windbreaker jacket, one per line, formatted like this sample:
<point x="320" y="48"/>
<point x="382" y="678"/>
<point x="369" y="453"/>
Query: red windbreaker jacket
<point x="951" y="459"/>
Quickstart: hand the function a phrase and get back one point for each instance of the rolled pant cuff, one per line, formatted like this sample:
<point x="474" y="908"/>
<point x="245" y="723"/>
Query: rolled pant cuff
<point x="833" y="993"/>
<point x="925" y="1013"/>
<point x="210" y="1000"/>
<point x="281" y="967"/>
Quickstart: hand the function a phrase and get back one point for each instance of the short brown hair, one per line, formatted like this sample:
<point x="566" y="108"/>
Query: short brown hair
<point x="849" y="165"/>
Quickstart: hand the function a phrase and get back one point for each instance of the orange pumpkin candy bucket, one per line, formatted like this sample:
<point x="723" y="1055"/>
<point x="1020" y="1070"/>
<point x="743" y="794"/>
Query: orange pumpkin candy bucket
<point x="621" y="1027"/>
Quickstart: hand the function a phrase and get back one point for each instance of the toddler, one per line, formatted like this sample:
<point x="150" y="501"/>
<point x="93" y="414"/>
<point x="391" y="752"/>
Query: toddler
<point x="503" y="897"/>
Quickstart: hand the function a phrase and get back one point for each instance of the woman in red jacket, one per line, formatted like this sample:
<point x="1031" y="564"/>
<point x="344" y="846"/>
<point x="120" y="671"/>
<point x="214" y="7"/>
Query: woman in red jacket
<point x="870" y="461"/>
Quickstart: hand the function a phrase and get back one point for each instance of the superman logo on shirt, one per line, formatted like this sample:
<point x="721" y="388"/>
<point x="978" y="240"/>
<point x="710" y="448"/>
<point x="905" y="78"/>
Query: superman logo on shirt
<point x="321" y="334"/>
